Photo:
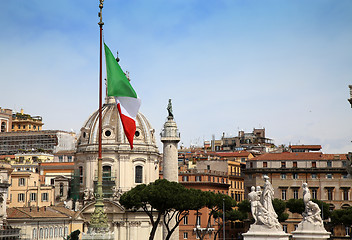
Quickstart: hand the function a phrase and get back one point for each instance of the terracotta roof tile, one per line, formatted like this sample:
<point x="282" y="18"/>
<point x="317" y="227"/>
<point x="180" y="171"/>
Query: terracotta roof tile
<point x="299" y="156"/>
<point x="44" y="212"/>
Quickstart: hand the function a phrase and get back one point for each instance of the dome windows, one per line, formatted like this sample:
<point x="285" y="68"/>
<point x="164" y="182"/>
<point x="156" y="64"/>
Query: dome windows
<point x="108" y="133"/>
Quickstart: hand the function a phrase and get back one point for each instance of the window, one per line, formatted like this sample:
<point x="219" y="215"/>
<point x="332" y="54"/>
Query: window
<point x="265" y="164"/>
<point x="284" y="227"/>
<point x="295" y="193"/>
<point x="314" y="175"/>
<point x="51" y="232"/>
<point x="21" y="182"/>
<point x="21" y="197"/>
<point x="283" y="175"/>
<point x="34" y="233"/>
<point x="329" y="175"/>
<point x="295" y="175"/>
<point x="33" y="197"/>
<point x="60" y="232"/>
<point x="344" y="163"/>
<point x="251" y="164"/>
<point x="314" y="193"/>
<point x="106" y="173"/>
<point x="69" y="158"/>
<point x="61" y="189"/>
<point x="314" y="164"/>
<point x="345" y="194"/>
<point x="208" y="167"/>
<point x="55" y="232"/>
<point x="138" y="174"/>
<point x="185" y="220"/>
<point x="65" y="231"/>
<point x="61" y="158"/>
<point x="329" y="163"/>
<point x="243" y="159"/>
<point x="330" y="193"/>
<point x="198" y="178"/>
<point x="295" y="166"/>
<point x="52" y="181"/>
<point x="41" y="233"/>
<point x="185" y="235"/>
<point x="344" y="176"/>
<point x="46" y="233"/>
<point x="44" y="197"/>
<point x="198" y="221"/>
<point x="81" y="175"/>
<point x="283" y="164"/>
<point x="185" y="178"/>
<point x="283" y="194"/>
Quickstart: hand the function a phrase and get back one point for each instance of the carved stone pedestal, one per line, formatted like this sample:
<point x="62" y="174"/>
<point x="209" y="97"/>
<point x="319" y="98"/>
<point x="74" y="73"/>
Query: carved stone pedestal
<point x="309" y="231"/>
<point x="262" y="232"/>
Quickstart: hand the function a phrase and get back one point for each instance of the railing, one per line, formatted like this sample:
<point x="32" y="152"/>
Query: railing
<point x="204" y="171"/>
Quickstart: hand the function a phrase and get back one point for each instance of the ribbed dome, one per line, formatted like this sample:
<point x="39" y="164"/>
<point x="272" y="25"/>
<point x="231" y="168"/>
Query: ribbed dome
<point x="113" y="136"/>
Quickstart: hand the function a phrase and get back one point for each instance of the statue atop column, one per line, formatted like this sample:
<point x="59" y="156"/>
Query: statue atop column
<point x="169" y="109"/>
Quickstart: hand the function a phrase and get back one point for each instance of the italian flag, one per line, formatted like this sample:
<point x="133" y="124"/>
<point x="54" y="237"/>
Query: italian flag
<point x="126" y="98"/>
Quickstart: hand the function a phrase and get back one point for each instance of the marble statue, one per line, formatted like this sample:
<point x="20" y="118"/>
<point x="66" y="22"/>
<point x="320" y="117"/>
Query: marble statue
<point x="266" y="225"/>
<point x="169" y="108"/>
<point x="311" y="226"/>
<point x="262" y="207"/>
<point x="254" y="199"/>
<point x="312" y="211"/>
<point x="86" y="194"/>
<point x="268" y="196"/>
<point x="116" y="193"/>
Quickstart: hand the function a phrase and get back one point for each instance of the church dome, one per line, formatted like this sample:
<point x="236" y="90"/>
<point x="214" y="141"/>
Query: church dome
<point x="113" y="136"/>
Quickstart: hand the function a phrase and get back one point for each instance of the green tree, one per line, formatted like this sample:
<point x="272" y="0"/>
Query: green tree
<point x="295" y="205"/>
<point x="280" y="207"/>
<point x="162" y="198"/>
<point x="230" y="216"/>
<point x="342" y="216"/>
<point x="215" y="203"/>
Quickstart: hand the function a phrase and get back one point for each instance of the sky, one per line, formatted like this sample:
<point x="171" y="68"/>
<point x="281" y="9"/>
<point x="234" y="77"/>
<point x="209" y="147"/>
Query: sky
<point x="227" y="65"/>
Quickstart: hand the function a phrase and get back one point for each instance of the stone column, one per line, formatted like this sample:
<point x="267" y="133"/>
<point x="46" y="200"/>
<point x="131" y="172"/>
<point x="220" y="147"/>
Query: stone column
<point x="170" y="138"/>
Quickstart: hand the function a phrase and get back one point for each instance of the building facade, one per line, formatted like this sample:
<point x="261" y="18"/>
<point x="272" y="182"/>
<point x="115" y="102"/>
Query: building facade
<point x="325" y="174"/>
<point x="5" y="120"/>
<point x="123" y="169"/>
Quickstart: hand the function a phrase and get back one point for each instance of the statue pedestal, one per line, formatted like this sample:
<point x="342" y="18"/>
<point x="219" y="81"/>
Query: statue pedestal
<point x="262" y="232"/>
<point x="309" y="231"/>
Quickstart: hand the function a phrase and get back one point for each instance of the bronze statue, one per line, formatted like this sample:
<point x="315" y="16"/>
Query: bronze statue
<point x="169" y="109"/>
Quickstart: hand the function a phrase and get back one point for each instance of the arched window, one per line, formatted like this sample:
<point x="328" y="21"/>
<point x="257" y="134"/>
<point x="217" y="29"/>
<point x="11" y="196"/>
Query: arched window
<point x="65" y="231"/>
<point x="51" y="232"/>
<point x="138" y="174"/>
<point x="55" y="232"/>
<point x="60" y="232"/>
<point x="41" y="233"/>
<point x="46" y="233"/>
<point x="61" y="189"/>
<point x="34" y="233"/>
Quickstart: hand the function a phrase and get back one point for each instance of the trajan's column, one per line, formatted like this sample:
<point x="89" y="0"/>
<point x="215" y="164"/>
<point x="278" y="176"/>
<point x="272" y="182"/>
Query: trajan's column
<point x="170" y="138"/>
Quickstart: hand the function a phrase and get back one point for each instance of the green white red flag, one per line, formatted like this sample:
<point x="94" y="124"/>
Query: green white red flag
<point x="126" y="98"/>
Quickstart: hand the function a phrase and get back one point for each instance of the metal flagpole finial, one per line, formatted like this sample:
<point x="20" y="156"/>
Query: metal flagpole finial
<point x="100" y="14"/>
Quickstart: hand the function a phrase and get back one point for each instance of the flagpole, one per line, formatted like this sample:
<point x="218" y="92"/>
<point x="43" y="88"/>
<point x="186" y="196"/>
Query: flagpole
<point x="98" y="222"/>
